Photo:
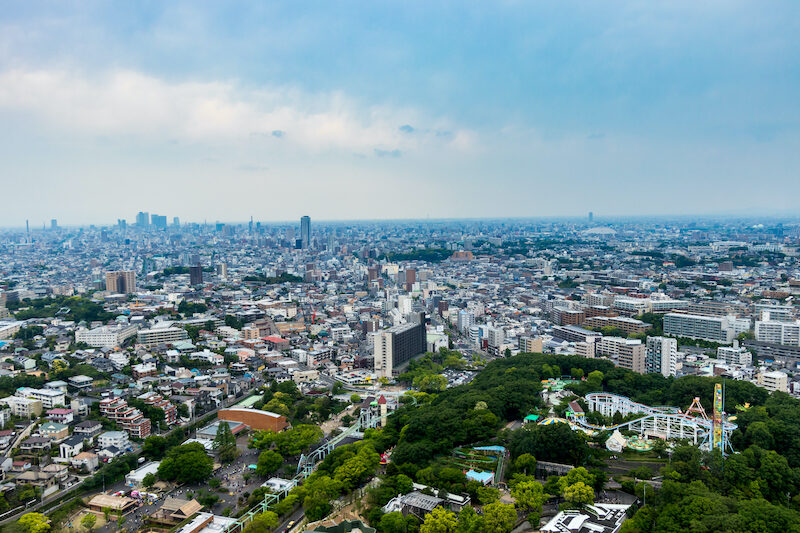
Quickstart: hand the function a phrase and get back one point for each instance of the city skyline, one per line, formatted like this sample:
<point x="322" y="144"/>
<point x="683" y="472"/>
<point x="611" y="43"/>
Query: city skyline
<point x="490" y="110"/>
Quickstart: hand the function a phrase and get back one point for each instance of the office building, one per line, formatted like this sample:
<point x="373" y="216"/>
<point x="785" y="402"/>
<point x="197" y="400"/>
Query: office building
<point x="195" y="275"/>
<point x="397" y="345"/>
<point x="53" y="224"/>
<point x="711" y="328"/>
<point x="777" y="331"/>
<point x="662" y="356"/>
<point x="305" y="232"/>
<point x="158" y="221"/>
<point x="121" y="282"/>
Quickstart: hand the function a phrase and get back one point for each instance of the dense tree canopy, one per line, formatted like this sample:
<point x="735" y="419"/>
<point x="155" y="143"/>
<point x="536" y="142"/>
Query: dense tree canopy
<point x="187" y="463"/>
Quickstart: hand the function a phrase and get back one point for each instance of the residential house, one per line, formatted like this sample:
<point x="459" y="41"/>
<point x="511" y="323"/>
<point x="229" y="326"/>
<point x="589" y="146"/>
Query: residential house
<point x="70" y="447"/>
<point x="85" y="460"/>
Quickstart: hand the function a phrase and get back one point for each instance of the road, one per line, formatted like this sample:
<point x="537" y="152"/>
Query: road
<point x="226" y="403"/>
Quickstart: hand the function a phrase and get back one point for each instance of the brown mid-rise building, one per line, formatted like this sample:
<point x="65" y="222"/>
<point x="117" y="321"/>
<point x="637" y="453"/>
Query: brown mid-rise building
<point x="632" y="356"/>
<point x="254" y="418"/>
<point x="121" y="281"/>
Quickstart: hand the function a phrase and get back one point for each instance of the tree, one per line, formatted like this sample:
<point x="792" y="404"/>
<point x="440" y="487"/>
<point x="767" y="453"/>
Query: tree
<point x="439" y="521"/>
<point x="579" y="493"/>
<point x="263" y="523"/>
<point x="354" y="398"/>
<point x="268" y="462"/>
<point x="525" y="463"/>
<point x="469" y="521"/>
<point x="34" y="523"/>
<point x="187" y="463"/>
<point x="529" y="495"/>
<point x="488" y="494"/>
<point x="89" y="521"/>
<point x="154" y="447"/>
<point x="431" y="383"/>
<point x="149" y="480"/>
<point x="393" y="522"/>
<point x="574" y="476"/>
<point x="499" y="517"/>
<point x="225" y="443"/>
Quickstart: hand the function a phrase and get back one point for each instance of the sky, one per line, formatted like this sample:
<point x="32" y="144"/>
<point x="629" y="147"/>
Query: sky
<point x="224" y="110"/>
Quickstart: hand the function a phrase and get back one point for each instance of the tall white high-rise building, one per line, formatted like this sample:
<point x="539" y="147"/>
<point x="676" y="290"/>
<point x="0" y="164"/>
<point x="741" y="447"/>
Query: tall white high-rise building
<point x="661" y="356"/>
<point x="466" y="319"/>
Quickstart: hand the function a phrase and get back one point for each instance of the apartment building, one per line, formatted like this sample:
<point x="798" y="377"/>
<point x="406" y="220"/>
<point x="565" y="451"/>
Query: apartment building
<point x="710" y="328"/>
<point x="121" y="281"/>
<point x="397" y="345"/>
<point x="50" y="398"/>
<point x="777" y="331"/>
<point x="129" y="418"/>
<point x="155" y="336"/>
<point x="156" y="400"/>
<point x="735" y="355"/>
<point x="773" y="381"/>
<point x="530" y="344"/>
<point x="632" y="355"/>
<point x="106" y="336"/>
<point x="661" y="356"/>
<point x="623" y="323"/>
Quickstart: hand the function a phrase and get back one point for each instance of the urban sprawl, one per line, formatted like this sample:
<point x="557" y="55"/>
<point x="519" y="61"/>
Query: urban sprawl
<point x="454" y="376"/>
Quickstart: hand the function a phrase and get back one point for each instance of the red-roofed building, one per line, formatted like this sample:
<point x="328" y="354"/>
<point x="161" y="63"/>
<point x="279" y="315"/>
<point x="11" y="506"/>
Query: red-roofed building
<point x="277" y="343"/>
<point x="60" y="415"/>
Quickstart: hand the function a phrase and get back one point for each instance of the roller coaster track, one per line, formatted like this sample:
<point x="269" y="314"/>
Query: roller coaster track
<point x="307" y="465"/>
<point x="663" y="422"/>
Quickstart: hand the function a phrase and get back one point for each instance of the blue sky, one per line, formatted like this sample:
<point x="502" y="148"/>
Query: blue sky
<point x="342" y="110"/>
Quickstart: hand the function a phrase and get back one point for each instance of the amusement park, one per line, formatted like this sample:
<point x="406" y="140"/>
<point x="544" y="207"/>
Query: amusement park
<point x="641" y="424"/>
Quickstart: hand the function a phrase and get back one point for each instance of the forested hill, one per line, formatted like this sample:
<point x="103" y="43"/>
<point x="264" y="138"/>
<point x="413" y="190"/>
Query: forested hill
<point x="760" y="482"/>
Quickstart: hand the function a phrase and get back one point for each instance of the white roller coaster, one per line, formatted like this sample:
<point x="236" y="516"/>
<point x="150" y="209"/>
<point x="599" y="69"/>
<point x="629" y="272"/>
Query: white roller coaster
<point x="659" y="422"/>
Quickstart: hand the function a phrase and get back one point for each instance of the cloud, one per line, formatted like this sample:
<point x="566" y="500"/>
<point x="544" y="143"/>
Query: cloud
<point x="388" y="153"/>
<point x="406" y="128"/>
<point x="129" y="103"/>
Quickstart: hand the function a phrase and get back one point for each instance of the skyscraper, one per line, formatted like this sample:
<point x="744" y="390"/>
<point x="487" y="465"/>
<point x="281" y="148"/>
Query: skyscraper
<point x="158" y="221"/>
<point x="305" y="232"/>
<point x="142" y="219"/>
<point x="54" y="224"/>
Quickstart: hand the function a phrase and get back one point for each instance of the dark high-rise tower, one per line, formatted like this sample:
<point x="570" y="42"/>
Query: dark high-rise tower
<point x="305" y="232"/>
<point x="195" y="275"/>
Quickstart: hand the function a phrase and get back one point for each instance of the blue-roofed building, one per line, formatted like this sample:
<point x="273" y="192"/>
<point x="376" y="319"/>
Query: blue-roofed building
<point x="484" y="478"/>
